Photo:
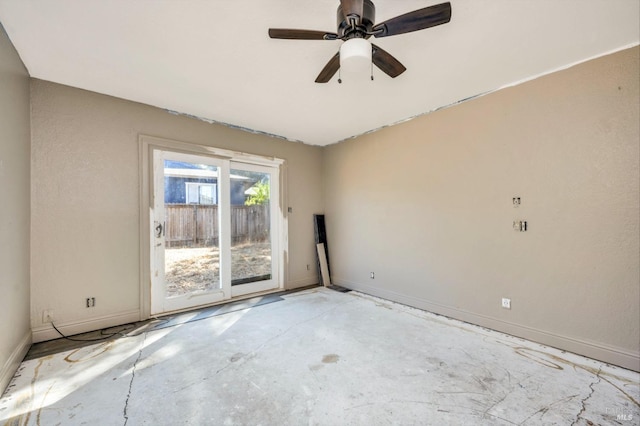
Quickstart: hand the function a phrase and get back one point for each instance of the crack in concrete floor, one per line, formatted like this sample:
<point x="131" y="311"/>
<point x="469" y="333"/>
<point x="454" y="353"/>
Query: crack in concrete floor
<point x="585" y="399"/>
<point x="133" y="376"/>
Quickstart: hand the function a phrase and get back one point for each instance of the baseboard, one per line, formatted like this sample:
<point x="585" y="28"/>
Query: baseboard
<point x="602" y="352"/>
<point x="13" y="363"/>
<point x="305" y="282"/>
<point x="46" y="332"/>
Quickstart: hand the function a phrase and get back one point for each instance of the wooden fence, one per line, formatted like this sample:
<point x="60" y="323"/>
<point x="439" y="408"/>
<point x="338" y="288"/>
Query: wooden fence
<point x="193" y="225"/>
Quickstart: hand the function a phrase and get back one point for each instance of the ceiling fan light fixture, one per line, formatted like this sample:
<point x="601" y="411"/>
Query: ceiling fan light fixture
<point x="355" y="56"/>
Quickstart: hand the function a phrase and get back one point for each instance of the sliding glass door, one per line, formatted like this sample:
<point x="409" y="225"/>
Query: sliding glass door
<point x="212" y="230"/>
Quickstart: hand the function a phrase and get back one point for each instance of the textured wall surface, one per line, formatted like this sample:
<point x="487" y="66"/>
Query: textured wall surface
<point x="85" y="198"/>
<point x="15" y="333"/>
<point x="427" y="205"/>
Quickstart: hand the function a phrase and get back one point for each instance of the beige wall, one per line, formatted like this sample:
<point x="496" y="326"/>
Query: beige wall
<point x="85" y="200"/>
<point x="427" y="206"/>
<point x="15" y="332"/>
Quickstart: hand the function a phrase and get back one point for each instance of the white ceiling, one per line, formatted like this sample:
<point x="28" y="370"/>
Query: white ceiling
<point x="213" y="59"/>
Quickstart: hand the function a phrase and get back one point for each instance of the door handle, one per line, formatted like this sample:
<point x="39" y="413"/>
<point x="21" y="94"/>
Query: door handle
<point x="159" y="230"/>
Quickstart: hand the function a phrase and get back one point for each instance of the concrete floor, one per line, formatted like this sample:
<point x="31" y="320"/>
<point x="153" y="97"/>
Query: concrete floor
<point x="319" y="357"/>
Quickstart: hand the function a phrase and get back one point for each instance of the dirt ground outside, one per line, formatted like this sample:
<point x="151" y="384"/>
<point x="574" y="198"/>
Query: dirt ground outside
<point x="198" y="269"/>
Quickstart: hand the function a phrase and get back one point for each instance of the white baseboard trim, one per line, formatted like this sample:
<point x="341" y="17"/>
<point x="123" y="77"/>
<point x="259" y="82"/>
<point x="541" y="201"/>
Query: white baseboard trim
<point x="600" y="351"/>
<point x="46" y="332"/>
<point x="12" y="364"/>
<point x="304" y="282"/>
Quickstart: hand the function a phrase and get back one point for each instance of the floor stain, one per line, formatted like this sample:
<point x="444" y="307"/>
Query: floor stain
<point x="330" y="359"/>
<point x="236" y="357"/>
<point x="27" y="417"/>
<point x="98" y="350"/>
<point x="539" y="357"/>
<point x="42" y="405"/>
<point x="36" y="374"/>
<point x="535" y="357"/>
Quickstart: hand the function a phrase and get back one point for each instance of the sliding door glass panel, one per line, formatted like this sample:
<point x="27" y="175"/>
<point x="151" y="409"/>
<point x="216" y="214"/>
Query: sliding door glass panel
<point x="252" y="260"/>
<point x="192" y="249"/>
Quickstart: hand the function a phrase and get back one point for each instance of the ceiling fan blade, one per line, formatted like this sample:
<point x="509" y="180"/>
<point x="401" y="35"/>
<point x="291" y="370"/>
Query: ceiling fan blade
<point x="387" y="63"/>
<point x="352" y="7"/>
<point x="290" y="34"/>
<point x="330" y="69"/>
<point x="414" y="21"/>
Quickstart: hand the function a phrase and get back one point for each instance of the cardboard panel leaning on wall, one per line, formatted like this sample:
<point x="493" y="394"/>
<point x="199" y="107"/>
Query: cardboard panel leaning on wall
<point x="85" y="210"/>
<point x="427" y="206"/>
<point x="15" y="330"/>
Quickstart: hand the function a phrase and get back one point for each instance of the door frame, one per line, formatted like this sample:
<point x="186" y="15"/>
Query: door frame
<point x="147" y="145"/>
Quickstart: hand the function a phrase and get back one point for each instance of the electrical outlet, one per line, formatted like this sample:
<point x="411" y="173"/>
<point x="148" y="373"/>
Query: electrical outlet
<point x="520" y="225"/>
<point x="506" y="303"/>
<point x="91" y="302"/>
<point x="373" y="275"/>
<point x="47" y="316"/>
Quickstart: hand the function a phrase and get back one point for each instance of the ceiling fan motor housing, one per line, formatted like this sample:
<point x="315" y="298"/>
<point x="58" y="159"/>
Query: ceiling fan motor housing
<point x="366" y="23"/>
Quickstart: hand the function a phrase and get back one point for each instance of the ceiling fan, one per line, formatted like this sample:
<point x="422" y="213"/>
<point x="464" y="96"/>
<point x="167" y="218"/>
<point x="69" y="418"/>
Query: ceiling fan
<point x="356" y="21"/>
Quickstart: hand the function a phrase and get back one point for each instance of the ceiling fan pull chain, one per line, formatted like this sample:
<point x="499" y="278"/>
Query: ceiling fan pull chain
<point x="371" y="70"/>
<point x="339" y="76"/>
